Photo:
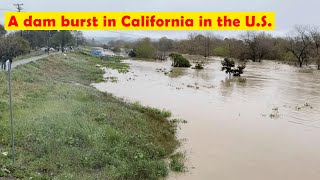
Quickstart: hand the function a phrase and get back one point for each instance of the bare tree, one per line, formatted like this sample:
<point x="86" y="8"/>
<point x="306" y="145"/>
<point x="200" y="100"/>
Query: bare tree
<point x="203" y="47"/>
<point x="164" y="46"/>
<point x="250" y="40"/>
<point x="257" y="45"/>
<point x="315" y="35"/>
<point x="79" y="38"/>
<point x="208" y="44"/>
<point x="299" y="43"/>
<point x="191" y="46"/>
<point x="264" y="44"/>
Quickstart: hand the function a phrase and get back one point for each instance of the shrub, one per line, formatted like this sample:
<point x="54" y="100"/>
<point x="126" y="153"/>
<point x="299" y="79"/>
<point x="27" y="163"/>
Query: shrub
<point x="228" y="65"/>
<point x="198" y="66"/>
<point x="132" y="53"/>
<point x="179" y="61"/>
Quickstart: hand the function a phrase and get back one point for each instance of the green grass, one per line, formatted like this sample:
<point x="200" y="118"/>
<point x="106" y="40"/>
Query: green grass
<point x="66" y="129"/>
<point x="177" y="162"/>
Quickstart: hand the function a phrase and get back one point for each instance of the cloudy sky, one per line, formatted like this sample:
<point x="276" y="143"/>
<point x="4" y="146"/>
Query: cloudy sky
<point x="288" y="12"/>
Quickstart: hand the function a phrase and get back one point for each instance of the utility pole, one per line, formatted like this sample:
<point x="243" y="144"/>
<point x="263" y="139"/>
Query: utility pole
<point x="19" y="8"/>
<point x="48" y="41"/>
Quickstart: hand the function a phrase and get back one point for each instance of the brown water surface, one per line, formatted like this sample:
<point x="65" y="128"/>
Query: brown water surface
<point x="267" y="128"/>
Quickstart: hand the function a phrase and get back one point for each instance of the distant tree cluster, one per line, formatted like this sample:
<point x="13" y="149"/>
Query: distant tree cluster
<point x="16" y="43"/>
<point x="54" y="39"/>
<point x="301" y="46"/>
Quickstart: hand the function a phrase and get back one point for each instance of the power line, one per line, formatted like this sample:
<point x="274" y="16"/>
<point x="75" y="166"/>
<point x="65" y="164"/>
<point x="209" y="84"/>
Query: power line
<point x="126" y="33"/>
<point x="1" y="9"/>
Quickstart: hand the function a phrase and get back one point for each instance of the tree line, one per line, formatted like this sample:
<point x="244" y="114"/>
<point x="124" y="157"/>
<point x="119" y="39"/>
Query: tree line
<point x="17" y="43"/>
<point x="301" y="46"/>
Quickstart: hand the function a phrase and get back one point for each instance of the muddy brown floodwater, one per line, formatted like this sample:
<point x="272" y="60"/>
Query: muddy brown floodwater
<point x="267" y="128"/>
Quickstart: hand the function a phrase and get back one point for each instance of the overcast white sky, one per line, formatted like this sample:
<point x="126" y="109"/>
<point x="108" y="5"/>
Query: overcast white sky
<point x="288" y="12"/>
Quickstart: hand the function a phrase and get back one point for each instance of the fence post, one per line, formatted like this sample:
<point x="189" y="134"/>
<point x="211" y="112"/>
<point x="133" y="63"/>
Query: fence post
<point x="10" y="98"/>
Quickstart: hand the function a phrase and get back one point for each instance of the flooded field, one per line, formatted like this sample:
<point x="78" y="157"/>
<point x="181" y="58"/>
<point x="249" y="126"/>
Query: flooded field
<point x="266" y="127"/>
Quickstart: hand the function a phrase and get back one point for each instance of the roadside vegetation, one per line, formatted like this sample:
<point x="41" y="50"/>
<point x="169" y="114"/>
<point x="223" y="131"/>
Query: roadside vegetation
<point x="66" y="129"/>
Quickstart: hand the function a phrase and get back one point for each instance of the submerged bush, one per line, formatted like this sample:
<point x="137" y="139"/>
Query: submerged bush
<point x="179" y="61"/>
<point x="198" y="66"/>
<point x="228" y="65"/>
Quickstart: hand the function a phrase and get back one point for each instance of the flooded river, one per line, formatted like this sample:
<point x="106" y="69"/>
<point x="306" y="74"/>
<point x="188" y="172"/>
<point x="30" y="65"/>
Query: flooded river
<point x="264" y="128"/>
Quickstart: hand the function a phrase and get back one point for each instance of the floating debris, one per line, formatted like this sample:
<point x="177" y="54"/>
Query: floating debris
<point x="209" y="86"/>
<point x="306" y="105"/>
<point x="263" y="115"/>
<point x="275" y="113"/>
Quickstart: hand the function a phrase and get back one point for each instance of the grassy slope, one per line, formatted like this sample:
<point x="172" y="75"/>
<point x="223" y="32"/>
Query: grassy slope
<point x="66" y="129"/>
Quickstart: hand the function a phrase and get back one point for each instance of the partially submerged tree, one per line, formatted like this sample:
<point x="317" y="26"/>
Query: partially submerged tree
<point x="164" y="46"/>
<point x="179" y="61"/>
<point x="201" y="45"/>
<point x="234" y="48"/>
<point x="250" y="40"/>
<point x="264" y="45"/>
<point x="257" y="45"/>
<point x="228" y="66"/>
<point x="145" y="48"/>
<point x="199" y="61"/>
<point x="299" y="43"/>
<point x="315" y="35"/>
